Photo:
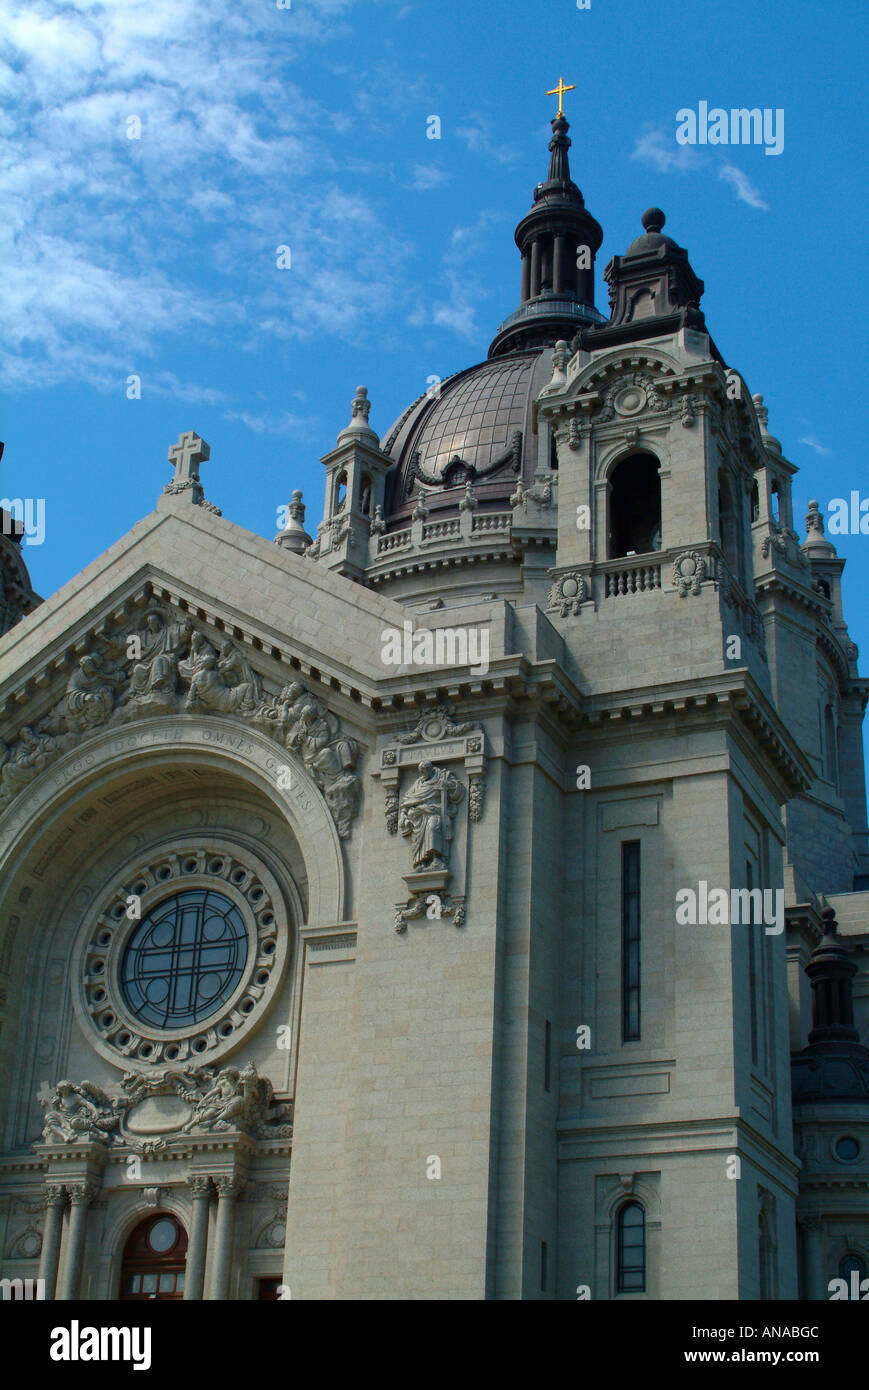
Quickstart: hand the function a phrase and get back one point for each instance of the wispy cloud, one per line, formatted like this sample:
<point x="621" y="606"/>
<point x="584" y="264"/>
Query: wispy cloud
<point x="656" y="146"/>
<point x="478" y="134"/>
<point x="113" y="245"/>
<point x="815" y="444"/>
<point x="424" y="176"/>
<point x="745" y="189"/>
<point x="458" y="310"/>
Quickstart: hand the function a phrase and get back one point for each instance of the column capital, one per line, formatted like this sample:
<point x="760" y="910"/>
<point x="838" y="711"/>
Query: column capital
<point x="81" y="1194"/>
<point x="54" y="1195"/>
<point x="199" y="1184"/>
<point x="229" y="1185"/>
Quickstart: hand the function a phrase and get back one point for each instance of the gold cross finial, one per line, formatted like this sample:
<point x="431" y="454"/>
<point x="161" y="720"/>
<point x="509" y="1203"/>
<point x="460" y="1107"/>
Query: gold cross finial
<point x="559" y="92"/>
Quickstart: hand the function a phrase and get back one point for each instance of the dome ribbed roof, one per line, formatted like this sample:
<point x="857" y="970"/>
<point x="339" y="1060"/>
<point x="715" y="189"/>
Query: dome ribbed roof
<point x="478" y="428"/>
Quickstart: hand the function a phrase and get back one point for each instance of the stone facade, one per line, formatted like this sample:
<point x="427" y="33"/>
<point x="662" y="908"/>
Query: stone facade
<point x="466" y="1031"/>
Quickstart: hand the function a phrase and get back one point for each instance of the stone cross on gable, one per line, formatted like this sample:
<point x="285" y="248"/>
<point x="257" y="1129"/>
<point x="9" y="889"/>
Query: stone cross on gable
<point x="186" y="456"/>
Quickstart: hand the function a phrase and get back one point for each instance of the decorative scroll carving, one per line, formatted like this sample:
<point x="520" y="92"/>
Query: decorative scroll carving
<point x="170" y="667"/>
<point x="476" y="796"/>
<point x="434" y="725"/>
<point x="632" y="393"/>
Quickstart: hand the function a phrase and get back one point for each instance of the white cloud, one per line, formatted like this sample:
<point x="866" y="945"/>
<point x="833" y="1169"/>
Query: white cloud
<point x="657" y="147"/>
<point x="745" y="189"/>
<point x="815" y="444"/>
<point x="478" y="134"/>
<point x="111" y="245"/>
<point x="424" y="176"/>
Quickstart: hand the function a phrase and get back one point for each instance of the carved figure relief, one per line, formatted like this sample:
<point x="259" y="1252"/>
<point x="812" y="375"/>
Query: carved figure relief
<point x="169" y="666"/>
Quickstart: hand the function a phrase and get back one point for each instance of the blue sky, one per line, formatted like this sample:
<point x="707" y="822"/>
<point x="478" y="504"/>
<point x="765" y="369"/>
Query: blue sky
<point x="306" y="127"/>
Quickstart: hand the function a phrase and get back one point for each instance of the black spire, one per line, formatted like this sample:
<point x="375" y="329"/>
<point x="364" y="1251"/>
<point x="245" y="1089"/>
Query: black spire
<point x="831" y="971"/>
<point x="835" y="1065"/>
<point x="559" y="240"/>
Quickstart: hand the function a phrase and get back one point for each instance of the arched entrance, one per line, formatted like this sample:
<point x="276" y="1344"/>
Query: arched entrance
<point x="154" y="1259"/>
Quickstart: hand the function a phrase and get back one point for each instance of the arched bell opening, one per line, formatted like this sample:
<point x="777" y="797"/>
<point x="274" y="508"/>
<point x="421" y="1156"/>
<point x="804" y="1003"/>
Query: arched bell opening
<point x="635" y="506"/>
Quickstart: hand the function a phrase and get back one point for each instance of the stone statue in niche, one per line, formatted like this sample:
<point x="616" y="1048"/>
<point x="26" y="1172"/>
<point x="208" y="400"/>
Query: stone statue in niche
<point x="426" y="815"/>
<point x="78" y="1112"/>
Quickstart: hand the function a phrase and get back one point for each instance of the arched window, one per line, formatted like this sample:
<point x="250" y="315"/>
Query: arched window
<point x="340" y="491"/>
<point x="775" y="501"/>
<point x="728" y="527"/>
<point x="852" y="1264"/>
<point x="755" y="501"/>
<point x="154" y="1258"/>
<point x="365" y="495"/>
<point x="635" y="506"/>
<point x="631" y="1249"/>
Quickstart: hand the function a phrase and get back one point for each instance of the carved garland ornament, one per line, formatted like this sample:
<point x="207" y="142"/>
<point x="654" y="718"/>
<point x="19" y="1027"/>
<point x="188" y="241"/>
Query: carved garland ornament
<point x="689" y="571"/>
<point x="568" y="593"/>
<point x="169" y="667"/>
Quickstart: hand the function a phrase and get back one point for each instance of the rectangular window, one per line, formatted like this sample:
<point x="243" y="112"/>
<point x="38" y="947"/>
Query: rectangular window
<point x="547" y="1056"/>
<point x="543" y="1269"/>
<point x="630" y="940"/>
<point x="752" y="965"/>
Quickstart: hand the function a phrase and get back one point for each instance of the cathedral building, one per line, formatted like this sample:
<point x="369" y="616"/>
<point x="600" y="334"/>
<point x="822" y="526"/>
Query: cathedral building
<point x="466" y="900"/>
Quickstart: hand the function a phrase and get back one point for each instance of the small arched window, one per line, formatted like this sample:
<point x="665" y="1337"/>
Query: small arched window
<point x="340" y="491"/>
<point x="755" y="501"/>
<point x="635" y="506"/>
<point x="631" y="1249"/>
<point x="775" y="501"/>
<point x="852" y="1264"/>
<point x="365" y="496"/>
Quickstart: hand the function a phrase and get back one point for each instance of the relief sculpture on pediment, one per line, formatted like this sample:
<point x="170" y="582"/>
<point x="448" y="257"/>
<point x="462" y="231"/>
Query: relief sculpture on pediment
<point x="169" y="666"/>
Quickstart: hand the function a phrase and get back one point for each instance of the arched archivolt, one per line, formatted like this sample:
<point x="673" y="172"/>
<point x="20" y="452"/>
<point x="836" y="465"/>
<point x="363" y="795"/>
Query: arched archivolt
<point x="58" y="794"/>
<point x="597" y="375"/>
<point x="608" y="459"/>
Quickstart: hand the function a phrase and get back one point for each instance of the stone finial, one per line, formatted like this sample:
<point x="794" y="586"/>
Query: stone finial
<point x="359" y="411"/>
<point x="420" y="511"/>
<point x="762" y="414"/>
<point x="361" y="404"/>
<point x="378" y="525"/>
<point x="294" y="537"/>
<point x="814" y="518"/>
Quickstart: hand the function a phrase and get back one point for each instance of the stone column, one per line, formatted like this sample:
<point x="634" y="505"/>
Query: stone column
<point x="559" y="261"/>
<point x="194" y="1275"/>
<point x="526" y="275"/>
<point x="228" y="1189"/>
<point x="81" y="1194"/>
<point x="535" y="268"/>
<point x="816" y="1284"/>
<point x="49" y="1258"/>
